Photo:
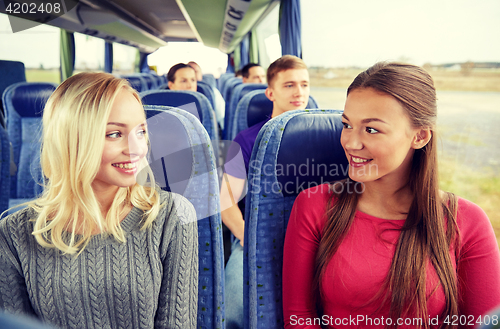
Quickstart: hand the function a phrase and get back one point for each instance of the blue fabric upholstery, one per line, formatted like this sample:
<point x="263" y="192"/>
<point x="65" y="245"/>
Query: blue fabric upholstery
<point x="210" y="80"/>
<point x="10" y="72"/>
<point x="224" y="77"/>
<point x="150" y="79"/>
<point x="24" y="103"/>
<point x="182" y="159"/>
<point x="253" y="108"/>
<point x="206" y="89"/>
<point x="137" y="82"/>
<point x="183" y="99"/>
<point x="316" y="133"/>
<point x="228" y="88"/>
<point x="4" y="170"/>
<point x="238" y="92"/>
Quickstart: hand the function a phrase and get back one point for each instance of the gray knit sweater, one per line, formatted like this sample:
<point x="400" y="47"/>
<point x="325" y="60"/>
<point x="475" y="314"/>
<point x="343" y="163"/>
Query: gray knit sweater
<point x="150" y="281"/>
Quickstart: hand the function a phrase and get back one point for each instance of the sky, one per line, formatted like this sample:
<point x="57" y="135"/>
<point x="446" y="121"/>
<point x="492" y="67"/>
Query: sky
<point x="360" y="32"/>
<point x="334" y="34"/>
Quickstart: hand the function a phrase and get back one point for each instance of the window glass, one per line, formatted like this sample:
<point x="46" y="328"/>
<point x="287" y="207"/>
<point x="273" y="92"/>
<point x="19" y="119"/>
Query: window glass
<point x="41" y="64"/>
<point x="89" y="53"/>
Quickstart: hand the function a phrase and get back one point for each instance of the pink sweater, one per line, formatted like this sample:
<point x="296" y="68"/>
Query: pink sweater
<point x="356" y="272"/>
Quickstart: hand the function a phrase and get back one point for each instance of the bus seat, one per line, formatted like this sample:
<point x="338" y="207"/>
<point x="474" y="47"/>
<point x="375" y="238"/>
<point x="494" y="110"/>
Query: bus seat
<point x="150" y="80"/>
<point x="4" y="170"/>
<point x="183" y="164"/>
<point x="206" y="89"/>
<point x="316" y="133"/>
<point x="182" y="98"/>
<point x="255" y="107"/>
<point x="10" y="72"/>
<point x="24" y="103"/>
<point x="238" y="92"/>
<point x="137" y="82"/>
<point x="228" y="88"/>
<point x="223" y="79"/>
<point x="210" y="79"/>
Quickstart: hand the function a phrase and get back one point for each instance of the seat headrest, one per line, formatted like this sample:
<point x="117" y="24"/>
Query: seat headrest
<point x="175" y="98"/>
<point x="260" y="108"/>
<point x="310" y="153"/>
<point x="28" y="99"/>
<point x="171" y="156"/>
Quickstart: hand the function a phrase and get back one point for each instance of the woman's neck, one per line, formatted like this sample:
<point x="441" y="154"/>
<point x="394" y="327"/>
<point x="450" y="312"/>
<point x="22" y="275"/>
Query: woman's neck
<point x="383" y="200"/>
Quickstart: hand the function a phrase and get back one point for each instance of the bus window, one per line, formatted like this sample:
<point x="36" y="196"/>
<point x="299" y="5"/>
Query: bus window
<point x="37" y="48"/>
<point x="123" y="59"/>
<point x="89" y="53"/>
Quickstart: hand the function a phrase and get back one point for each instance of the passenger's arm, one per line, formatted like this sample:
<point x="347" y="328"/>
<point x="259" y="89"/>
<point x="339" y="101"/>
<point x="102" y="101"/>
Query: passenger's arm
<point x="231" y="191"/>
<point x="178" y="297"/>
<point x="301" y="245"/>
<point x="479" y="265"/>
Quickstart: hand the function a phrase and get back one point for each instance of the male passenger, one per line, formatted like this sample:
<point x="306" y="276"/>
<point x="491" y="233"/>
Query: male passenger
<point x="253" y="73"/>
<point x="197" y="70"/>
<point x="288" y="89"/>
<point x="182" y="77"/>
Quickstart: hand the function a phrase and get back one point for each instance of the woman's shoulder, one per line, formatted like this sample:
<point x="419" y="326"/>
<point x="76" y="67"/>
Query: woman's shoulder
<point x="19" y="219"/>
<point x="473" y="223"/>
<point x="177" y="208"/>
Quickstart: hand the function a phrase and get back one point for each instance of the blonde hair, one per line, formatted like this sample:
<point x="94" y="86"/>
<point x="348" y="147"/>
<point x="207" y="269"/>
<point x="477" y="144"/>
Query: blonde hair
<point x="74" y="127"/>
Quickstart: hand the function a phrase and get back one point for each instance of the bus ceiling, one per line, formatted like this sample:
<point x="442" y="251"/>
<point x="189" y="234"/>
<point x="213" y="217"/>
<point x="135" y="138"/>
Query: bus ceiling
<point x="150" y="24"/>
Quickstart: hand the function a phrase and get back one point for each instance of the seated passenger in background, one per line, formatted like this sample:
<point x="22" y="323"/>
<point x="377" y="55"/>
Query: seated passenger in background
<point x="253" y="73"/>
<point x="288" y="89"/>
<point x="182" y="77"/>
<point x="96" y="249"/>
<point x="197" y="70"/>
<point x="387" y="243"/>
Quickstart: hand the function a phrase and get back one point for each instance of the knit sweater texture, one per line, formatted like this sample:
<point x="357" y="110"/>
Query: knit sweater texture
<point x="150" y="281"/>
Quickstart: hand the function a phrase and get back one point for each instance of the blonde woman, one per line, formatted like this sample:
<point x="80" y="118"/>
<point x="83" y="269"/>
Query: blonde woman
<point x="98" y="250"/>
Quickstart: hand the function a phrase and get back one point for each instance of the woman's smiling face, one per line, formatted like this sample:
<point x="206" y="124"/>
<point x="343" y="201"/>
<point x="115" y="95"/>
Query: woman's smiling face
<point x="125" y="144"/>
<point x="377" y="138"/>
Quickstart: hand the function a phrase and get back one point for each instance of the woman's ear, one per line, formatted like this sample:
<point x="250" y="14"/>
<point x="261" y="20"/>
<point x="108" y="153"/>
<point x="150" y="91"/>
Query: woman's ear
<point x="421" y="138"/>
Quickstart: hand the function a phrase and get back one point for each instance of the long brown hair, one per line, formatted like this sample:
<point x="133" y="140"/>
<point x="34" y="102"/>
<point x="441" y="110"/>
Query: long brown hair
<point x="429" y="229"/>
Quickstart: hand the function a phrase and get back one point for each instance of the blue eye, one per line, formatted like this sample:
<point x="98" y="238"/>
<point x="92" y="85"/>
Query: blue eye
<point x="371" y="130"/>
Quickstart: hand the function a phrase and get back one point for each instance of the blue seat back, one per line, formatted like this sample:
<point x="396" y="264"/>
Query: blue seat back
<point x="187" y="100"/>
<point x="4" y="170"/>
<point x="10" y="72"/>
<point x="255" y="107"/>
<point x="210" y="80"/>
<point x="183" y="162"/>
<point x="24" y="103"/>
<point x="238" y="92"/>
<point x="150" y="79"/>
<point x="228" y="88"/>
<point x="223" y="79"/>
<point x="137" y="82"/>
<point x="316" y="133"/>
<point x="206" y="89"/>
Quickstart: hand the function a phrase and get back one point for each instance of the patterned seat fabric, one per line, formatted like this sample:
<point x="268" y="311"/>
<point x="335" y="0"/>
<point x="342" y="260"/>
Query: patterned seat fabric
<point x="24" y="103"/>
<point x="4" y="170"/>
<point x="183" y="161"/>
<point x="238" y="92"/>
<point x="278" y="172"/>
<point x="255" y="107"/>
<point x="185" y="99"/>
